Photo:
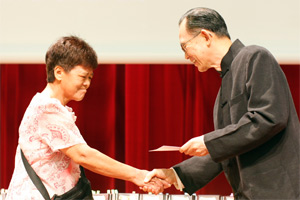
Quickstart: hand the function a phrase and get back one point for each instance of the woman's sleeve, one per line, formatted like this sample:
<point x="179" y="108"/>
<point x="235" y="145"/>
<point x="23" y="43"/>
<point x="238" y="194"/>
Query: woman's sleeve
<point x="57" y="127"/>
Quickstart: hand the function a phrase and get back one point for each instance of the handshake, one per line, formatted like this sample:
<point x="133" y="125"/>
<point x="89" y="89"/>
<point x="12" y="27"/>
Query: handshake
<point x="157" y="180"/>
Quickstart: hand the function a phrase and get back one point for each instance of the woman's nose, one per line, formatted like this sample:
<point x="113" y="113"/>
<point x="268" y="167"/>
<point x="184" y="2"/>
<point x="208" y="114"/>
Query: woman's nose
<point x="87" y="83"/>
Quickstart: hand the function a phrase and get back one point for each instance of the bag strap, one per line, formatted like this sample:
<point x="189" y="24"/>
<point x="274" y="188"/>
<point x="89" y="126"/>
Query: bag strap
<point x="35" y="178"/>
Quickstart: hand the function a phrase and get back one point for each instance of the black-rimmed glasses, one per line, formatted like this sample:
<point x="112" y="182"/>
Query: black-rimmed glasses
<point x="183" y="45"/>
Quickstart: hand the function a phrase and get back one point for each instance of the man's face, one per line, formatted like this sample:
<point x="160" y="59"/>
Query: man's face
<point x="195" y="47"/>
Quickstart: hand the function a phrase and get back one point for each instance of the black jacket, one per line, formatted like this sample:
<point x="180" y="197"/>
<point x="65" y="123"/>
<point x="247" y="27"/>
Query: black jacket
<point x="256" y="138"/>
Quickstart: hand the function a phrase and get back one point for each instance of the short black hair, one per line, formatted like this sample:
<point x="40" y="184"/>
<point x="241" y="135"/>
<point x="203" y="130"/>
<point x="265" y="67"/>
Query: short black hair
<point x="205" y="18"/>
<point x="68" y="52"/>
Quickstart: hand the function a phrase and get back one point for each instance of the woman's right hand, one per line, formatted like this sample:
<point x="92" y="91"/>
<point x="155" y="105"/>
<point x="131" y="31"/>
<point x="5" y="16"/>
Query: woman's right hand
<point x="155" y="185"/>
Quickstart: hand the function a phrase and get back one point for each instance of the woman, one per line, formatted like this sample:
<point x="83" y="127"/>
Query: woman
<point x="48" y="136"/>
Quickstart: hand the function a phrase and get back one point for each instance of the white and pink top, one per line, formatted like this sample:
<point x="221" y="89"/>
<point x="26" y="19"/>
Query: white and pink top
<point x="47" y="127"/>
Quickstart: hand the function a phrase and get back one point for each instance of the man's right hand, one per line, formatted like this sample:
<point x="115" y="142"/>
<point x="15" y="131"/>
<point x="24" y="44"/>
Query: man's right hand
<point x="167" y="175"/>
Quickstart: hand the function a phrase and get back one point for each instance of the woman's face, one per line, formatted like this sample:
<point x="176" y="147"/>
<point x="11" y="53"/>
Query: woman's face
<point x="74" y="84"/>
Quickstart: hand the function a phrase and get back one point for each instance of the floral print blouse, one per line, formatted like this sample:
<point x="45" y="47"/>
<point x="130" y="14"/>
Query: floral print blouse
<point x="47" y="127"/>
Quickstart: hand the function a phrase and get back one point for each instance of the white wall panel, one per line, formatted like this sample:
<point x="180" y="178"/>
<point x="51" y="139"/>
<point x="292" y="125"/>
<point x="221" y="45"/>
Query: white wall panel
<point x="140" y="31"/>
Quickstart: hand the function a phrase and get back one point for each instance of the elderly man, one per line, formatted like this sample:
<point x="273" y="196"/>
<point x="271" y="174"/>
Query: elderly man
<point x="256" y="137"/>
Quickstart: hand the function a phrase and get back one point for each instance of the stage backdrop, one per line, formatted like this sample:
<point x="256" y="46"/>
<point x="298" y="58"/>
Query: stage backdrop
<point x="128" y="110"/>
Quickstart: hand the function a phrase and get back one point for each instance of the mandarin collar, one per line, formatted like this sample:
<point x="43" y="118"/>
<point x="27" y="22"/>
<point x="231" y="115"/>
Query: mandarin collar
<point x="234" y="49"/>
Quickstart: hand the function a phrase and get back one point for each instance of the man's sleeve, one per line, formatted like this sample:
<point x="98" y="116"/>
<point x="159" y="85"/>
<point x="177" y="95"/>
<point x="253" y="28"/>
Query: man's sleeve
<point x="196" y="172"/>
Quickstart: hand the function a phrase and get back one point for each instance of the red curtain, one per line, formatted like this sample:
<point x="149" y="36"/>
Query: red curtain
<point x="128" y="110"/>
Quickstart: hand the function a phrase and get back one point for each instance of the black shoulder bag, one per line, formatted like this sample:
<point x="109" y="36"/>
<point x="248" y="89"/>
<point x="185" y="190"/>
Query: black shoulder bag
<point x="82" y="190"/>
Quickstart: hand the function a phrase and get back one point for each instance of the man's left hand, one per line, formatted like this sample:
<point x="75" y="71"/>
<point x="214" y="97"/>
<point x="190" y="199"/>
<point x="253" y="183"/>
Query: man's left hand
<point x="195" y="147"/>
